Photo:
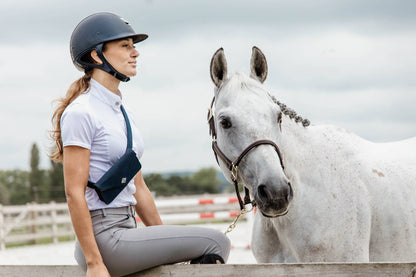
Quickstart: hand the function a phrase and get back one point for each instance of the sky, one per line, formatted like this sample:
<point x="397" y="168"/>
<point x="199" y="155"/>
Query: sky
<point x="349" y="63"/>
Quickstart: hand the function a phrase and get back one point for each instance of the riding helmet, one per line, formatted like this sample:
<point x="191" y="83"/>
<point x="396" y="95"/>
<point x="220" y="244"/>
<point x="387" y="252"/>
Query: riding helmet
<point x="92" y="32"/>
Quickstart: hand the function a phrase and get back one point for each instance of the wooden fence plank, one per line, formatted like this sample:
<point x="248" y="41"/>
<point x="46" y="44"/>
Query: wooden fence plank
<point x="287" y="270"/>
<point x="41" y="271"/>
<point x="263" y="270"/>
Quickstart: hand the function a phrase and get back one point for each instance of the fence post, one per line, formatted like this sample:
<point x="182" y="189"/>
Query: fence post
<point x="54" y="222"/>
<point x="33" y="214"/>
<point x="2" y="233"/>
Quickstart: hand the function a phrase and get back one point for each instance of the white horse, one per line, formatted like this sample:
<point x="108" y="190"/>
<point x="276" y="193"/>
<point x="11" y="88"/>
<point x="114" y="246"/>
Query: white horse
<point x="339" y="198"/>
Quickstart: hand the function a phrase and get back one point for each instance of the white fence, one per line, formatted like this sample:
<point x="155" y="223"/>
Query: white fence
<point x="50" y="222"/>
<point x="33" y="222"/>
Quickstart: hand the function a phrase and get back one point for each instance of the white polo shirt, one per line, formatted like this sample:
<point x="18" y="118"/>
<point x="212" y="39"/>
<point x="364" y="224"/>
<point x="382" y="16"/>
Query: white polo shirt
<point x="94" y="121"/>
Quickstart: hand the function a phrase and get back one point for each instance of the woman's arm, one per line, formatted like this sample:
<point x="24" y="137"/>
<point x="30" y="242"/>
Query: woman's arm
<point x="145" y="206"/>
<point x="76" y="168"/>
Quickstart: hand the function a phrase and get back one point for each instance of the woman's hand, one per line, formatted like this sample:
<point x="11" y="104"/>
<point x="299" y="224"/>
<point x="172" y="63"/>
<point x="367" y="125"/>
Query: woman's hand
<point x="98" y="270"/>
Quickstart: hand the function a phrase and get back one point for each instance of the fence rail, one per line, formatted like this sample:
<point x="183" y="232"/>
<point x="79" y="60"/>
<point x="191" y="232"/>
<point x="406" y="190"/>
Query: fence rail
<point x="33" y="222"/>
<point x="208" y="270"/>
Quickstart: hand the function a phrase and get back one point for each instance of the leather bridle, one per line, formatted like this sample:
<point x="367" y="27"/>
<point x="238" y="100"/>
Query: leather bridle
<point x="233" y="165"/>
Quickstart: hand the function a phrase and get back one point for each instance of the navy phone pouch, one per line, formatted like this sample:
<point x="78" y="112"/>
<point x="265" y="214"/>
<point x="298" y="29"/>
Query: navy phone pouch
<point x="119" y="175"/>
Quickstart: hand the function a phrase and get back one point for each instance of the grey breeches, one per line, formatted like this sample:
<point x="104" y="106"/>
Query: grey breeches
<point x="126" y="249"/>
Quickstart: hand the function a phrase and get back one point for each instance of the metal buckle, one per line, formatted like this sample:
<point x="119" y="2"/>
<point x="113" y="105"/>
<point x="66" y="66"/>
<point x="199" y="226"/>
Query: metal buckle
<point x="234" y="172"/>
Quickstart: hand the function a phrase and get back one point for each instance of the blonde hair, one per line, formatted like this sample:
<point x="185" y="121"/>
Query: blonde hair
<point x="76" y="88"/>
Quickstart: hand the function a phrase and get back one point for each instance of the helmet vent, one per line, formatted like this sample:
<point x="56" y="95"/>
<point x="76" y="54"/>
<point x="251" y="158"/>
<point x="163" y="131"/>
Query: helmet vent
<point x="125" y="21"/>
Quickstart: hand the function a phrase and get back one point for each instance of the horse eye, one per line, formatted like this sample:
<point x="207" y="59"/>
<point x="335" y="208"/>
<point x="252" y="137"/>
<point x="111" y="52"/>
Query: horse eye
<point x="279" y="118"/>
<point x="225" y="123"/>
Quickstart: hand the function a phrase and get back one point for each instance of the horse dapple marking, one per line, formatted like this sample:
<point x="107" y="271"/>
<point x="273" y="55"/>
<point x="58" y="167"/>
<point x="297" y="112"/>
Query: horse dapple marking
<point x="339" y="198"/>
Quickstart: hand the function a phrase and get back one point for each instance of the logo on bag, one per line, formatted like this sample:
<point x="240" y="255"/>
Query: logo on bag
<point x="123" y="180"/>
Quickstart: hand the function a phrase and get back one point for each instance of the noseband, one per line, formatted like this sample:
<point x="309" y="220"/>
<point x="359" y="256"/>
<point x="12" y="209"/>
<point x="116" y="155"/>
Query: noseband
<point x="233" y="165"/>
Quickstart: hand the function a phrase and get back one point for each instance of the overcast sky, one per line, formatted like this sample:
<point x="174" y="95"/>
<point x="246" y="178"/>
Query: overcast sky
<point x="347" y="63"/>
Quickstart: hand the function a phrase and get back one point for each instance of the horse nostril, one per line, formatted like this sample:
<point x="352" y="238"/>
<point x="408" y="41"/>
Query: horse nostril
<point x="290" y="194"/>
<point x="262" y="190"/>
<point x="272" y="193"/>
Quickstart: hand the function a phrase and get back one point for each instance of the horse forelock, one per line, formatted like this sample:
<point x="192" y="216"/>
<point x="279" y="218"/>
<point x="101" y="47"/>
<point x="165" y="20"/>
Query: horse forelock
<point x="240" y="81"/>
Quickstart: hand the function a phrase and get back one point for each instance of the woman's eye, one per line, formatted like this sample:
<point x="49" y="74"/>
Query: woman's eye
<point x="225" y="123"/>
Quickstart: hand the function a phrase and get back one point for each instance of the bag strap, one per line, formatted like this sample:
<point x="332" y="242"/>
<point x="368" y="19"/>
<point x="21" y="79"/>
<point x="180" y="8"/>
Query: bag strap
<point x="128" y="127"/>
<point x="129" y="138"/>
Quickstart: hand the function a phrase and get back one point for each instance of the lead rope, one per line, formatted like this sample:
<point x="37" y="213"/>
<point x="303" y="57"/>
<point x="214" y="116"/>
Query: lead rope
<point x="229" y="229"/>
<point x="234" y="223"/>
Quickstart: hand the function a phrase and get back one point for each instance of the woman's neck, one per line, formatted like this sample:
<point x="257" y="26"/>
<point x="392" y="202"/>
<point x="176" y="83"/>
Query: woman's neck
<point x="109" y="82"/>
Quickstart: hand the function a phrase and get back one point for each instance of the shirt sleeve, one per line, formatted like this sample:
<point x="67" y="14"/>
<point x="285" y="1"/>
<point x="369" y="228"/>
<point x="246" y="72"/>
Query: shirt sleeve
<point x="77" y="126"/>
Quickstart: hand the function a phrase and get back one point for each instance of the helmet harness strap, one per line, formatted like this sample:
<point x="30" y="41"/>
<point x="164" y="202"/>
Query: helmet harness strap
<point x="107" y="67"/>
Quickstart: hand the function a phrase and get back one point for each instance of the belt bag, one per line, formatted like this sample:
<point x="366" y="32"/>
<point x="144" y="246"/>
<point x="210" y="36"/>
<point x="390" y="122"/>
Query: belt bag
<point x="119" y="175"/>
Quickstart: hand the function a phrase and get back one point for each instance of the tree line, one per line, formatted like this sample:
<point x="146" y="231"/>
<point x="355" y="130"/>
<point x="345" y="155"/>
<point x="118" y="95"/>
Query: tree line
<point x="44" y="185"/>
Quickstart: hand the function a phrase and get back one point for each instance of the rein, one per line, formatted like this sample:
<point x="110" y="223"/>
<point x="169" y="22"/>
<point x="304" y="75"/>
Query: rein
<point x="233" y="165"/>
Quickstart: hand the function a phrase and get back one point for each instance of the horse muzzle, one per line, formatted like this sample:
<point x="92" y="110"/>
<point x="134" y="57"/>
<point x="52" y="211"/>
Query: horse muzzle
<point x="273" y="200"/>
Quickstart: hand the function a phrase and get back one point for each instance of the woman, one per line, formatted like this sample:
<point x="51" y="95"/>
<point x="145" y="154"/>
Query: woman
<point x="90" y="135"/>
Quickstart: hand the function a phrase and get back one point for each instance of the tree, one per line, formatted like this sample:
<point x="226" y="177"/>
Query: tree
<point x="17" y="183"/>
<point x="158" y="184"/>
<point x="4" y="195"/>
<point x="35" y="174"/>
<point x="205" y="181"/>
<point x="179" y="184"/>
<point x="57" y="186"/>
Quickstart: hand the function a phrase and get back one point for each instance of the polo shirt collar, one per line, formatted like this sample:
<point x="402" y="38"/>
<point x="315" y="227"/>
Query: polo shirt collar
<point x="105" y="95"/>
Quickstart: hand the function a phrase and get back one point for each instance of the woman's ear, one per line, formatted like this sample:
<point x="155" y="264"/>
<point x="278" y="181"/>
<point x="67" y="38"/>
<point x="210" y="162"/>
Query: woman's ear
<point x="95" y="58"/>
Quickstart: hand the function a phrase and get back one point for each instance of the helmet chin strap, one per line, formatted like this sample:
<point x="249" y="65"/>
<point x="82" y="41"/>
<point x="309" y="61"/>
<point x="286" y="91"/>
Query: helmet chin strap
<point x="107" y="67"/>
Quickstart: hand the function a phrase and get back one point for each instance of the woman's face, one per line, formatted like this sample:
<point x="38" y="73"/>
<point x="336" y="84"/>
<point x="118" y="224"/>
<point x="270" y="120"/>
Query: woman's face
<point x="122" y="55"/>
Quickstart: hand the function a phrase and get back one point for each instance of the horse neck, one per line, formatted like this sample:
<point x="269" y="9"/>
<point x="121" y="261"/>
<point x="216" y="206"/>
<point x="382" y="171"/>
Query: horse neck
<point x="312" y="149"/>
<point x="295" y="145"/>
<point x="305" y="150"/>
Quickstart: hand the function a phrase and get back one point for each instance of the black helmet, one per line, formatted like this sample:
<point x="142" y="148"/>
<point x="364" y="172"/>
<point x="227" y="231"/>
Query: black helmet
<point x="92" y="32"/>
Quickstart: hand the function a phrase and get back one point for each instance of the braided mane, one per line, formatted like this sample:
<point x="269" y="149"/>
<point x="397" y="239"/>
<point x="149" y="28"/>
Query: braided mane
<point x="291" y="113"/>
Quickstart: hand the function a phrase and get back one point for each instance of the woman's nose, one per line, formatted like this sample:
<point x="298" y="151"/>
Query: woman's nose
<point x="135" y="53"/>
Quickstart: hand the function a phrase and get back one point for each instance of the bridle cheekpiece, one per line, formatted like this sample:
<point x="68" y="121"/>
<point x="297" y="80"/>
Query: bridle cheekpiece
<point x="233" y="165"/>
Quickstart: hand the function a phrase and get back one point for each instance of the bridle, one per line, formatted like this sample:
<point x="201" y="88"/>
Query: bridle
<point x="233" y="165"/>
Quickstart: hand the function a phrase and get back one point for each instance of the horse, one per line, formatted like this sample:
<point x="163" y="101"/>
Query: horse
<point x="323" y="194"/>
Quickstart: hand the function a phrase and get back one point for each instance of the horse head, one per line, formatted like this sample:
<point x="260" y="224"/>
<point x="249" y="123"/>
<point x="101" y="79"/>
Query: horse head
<point x="246" y="129"/>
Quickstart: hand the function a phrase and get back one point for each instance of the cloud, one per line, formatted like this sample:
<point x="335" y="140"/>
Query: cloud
<point x="344" y="63"/>
<point x="172" y="19"/>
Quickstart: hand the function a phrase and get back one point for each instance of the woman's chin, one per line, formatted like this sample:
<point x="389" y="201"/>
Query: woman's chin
<point x="129" y="73"/>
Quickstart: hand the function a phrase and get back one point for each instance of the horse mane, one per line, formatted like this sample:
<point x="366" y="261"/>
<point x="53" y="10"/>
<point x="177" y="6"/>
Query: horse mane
<point x="239" y="80"/>
<point x="290" y="112"/>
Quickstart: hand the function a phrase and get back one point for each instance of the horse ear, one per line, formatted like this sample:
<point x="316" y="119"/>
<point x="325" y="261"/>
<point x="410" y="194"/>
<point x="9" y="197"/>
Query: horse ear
<point x="218" y="68"/>
<point x="258" y="65"/>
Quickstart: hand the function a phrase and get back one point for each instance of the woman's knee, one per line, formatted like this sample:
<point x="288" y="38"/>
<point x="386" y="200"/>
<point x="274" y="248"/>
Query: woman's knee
<point x="223" y="244"/>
